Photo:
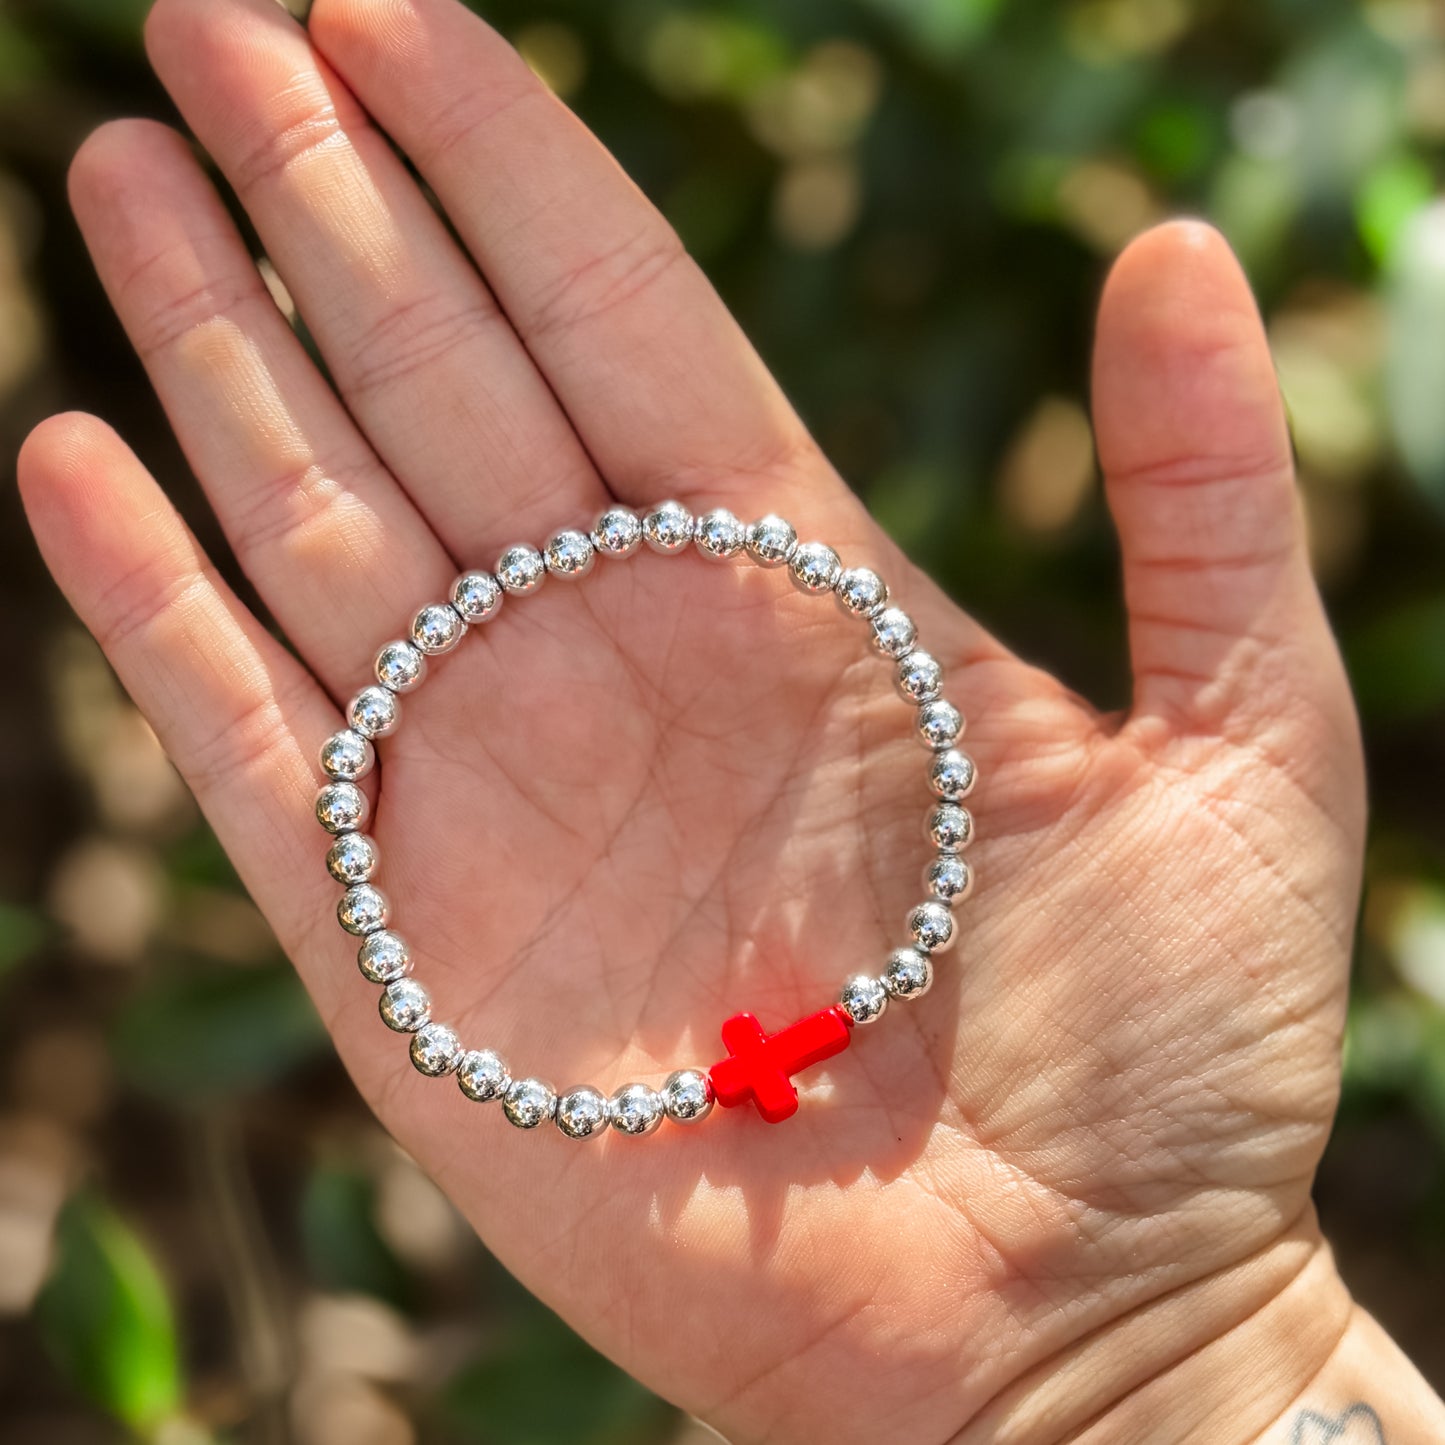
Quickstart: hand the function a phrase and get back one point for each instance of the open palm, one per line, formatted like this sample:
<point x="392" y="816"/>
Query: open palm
<point x="635" y="806"/>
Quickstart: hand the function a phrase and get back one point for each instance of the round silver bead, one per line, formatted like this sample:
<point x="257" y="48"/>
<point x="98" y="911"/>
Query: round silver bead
<point x="342" y="807"/>
<point x="521" y="570"/>
<point x="383" y="957"/>
<point x="582" y="1112"/>
<point x="951" y="774"/>
<point x="893" y="632"/>
<point x="482" y="1075"/>
<point x="477" y="596"/>
<point x="771" y="541"/>
<point x="814" y="567"/>
<point x="667" y="528"/>
<point x="437" y="628"/>
<point x="940" y="724"/>
<point x="687" y="1096"/>
<point x="948" y="878"/>
<point x="347" y="756"/>
<point x="405" y="1006"/>
<point x="920" y="678"/>
<point x="435" y="1050"/>
<point x="635" y="1109"/>
<point x="352" y="858"/>
<point x="569" y="554"/>
<point x="863" y="998"/>
<point x="529" y="1102"/>
<point x="860" y="591"/>
<point x="908" y="973"/>
<point x="719" y="534"/>
<point x="949" y="827"/>
<point x="362" y="909"/>
<point x="930" y="926"/>
<point x="374" y="712"/>
<point x="617" y="532"/>
<point x="399" y="666"/>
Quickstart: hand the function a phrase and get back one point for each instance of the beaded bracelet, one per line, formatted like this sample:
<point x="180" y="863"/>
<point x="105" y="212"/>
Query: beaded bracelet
<point x="759" y="1066"/>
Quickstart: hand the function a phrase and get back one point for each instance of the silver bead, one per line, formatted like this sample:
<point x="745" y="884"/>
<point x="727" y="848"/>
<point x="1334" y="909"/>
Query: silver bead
<point x="352" y="858"/>
<point x="908" y="973"/>
<point x="482" y="1075"/>
<point x="949" y="827"/>
<point x="528" y="1102"/>
<point x="860" y="591"/>
<point x="435" y="1050"/>
<point x="383" y="957"/>
<point x="569" y="554"/>
<point x="771" y="541"/>
<point x="342" y="807"/>
<point x="920" y="678"/>
<point x="437" y="628"/>
<point x="667" y="528"/>
<point x="719" y="534"/>
<point x="362" y="909"/>
<point x="940" y="724"/>
<point x="948" y="878"/>
<point x="405" y="1006"/>
<point x="374" y="712"/>
<point x="893" y="632"/>
<point x="930" y="926"/>
<point x="399" y="666"/>
<point x="617" y="532"/>
<point x="347" y="756"/>
<point x="521" y="570"/>
<point x="477" y="596"/>
<point x="863" y="998"/>
<point x="635" y="1109"/>
<point x="951" y="774"/>
<point x="814" y="567"/>
<point x="582" y="1112"/>
<point x="687" y="1096"/>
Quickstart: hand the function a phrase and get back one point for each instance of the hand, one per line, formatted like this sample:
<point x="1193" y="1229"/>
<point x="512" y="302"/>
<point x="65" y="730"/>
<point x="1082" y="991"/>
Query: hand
<point x="637" y="806"/>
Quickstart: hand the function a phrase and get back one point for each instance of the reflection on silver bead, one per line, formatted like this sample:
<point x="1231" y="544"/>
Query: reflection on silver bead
<point x="771" y="541"/>
<point x="569" y="554"/>
<point x="814" y="567"/>
<point x="687" y="1096"/>
<point x="437" y="628"/>
<point x="951" y="774"/>
<point x="435" y="1050"/>
<point x="635" y="1109"/>
<point x="521" y="570"/>
<point x="719" y="534"/>
<point x="860" y="591"/>
<point x="667" y="528"/>
<point x="617" y="532"/>
<point x="863" y="998"/>
<point x="362" y="909"/>
<point x="383" y="957"/>
<point x="930" y="926"/>
<point x="482" y="1075"/>
<point x="940" y="724"/>
<point x="400" y="667"/>
<point x="949" y="827"/>
<point x="374" y="712"/>
<point x="352" y="858"/>
<point x="341" y="807"/>
<point x="908" y="973"/>
<point x="347" y="756"/>
<point x="405" y="1005"/>
<point x="528" y="1103"/>
<point x="893" y="632"/>
<point x="477" y="596"/>
<point x="920" y="678"/>
<point x="948" y="878"/>
<point x="582" y="1112"/>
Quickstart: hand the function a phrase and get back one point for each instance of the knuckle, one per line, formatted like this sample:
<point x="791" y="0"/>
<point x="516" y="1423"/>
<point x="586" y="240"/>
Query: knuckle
<point x="414" y="335"/>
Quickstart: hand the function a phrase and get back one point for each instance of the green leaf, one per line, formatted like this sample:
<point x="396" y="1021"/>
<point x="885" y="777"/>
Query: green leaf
<point x="22" y="931"/>
<point x="344" y="1248"/>
<point x="1415" y="361"/>
<point x="1388" y="200"/>
<point x="1397" y="665"/>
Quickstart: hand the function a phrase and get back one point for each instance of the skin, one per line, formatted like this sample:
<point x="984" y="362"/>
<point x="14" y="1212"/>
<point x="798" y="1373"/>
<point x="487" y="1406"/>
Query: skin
<point x="633" y="807"/>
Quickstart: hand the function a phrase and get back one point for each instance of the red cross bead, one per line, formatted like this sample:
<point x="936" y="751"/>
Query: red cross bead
<point x="760" y="1066"/>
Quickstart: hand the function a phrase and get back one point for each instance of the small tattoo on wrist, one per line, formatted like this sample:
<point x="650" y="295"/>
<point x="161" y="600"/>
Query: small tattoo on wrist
<point x="1358" y="1424"/>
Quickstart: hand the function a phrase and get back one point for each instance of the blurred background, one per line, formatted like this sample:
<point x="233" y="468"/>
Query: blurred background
<point x="911" y="205"/>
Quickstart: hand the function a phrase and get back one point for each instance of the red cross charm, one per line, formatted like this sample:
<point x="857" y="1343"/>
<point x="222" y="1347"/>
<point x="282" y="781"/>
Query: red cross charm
<point x="759" y="1066"/>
